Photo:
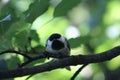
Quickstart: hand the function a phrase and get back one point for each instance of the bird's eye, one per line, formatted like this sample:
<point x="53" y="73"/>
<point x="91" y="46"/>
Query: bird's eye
<point x="54" y="36"/>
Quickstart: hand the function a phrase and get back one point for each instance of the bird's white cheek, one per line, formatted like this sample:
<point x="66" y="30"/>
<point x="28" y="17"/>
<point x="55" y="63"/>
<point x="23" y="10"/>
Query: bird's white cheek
<point x="49" y="47"/>
<point x="50" y="50"/>
<point x="49" y="43"/>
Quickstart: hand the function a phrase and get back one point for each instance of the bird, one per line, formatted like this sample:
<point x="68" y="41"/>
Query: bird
<point x="58" y="45"/>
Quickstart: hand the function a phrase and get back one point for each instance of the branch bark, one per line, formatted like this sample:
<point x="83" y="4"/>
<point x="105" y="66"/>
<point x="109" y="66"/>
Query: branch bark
<point x="68" y="61"/>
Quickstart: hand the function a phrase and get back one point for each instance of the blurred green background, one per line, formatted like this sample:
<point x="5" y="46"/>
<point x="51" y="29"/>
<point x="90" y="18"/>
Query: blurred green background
<point x="91" y="26"/>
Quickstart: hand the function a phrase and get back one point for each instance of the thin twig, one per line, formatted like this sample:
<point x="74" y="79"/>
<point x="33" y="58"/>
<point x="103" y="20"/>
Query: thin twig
<point x="16" y="52"/>
<point x="78" y="71"/>
<point x="29" y="77"/>
<point x="41" y="56"/>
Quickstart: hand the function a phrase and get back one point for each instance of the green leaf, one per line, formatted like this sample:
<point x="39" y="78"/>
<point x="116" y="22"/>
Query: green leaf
<point x="76" y="42"/>
<point x="4" y="27"/>
<point x="13" y="62"/>
<point x="33" y="34"/>
<point x="64" y="7"/>
<point x="8" y="32"/>
<point x="4" y="10"/>
<point x="36" y="9"/>
<point x="21" y="40"/>
<point x="20" y="6"/>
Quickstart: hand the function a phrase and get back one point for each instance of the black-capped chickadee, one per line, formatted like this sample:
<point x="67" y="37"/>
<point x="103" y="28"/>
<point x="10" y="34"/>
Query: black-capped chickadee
<point x="57" y="44"/>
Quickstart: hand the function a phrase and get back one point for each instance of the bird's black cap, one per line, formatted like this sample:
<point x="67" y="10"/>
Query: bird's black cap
<point x="54" y="36"/>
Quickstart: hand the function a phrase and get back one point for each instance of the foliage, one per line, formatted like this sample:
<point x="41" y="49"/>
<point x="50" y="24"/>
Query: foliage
<point x="26" y="24"/>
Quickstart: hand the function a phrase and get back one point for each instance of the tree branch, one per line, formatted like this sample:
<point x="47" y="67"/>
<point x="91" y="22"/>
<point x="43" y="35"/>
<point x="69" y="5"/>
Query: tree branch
<point x="68" y="61"/>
